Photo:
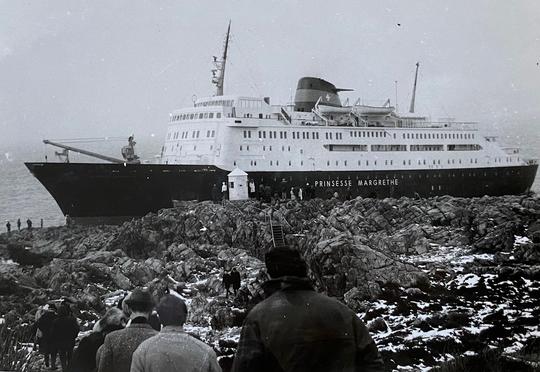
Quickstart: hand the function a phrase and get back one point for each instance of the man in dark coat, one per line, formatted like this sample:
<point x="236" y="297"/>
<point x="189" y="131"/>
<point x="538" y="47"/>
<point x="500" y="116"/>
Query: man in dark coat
<point x="84" y="357"/>
<point x="117" y="350"/>
<point x="235" y="280"/>
<point x="227" y="282"/>
<point x="297" y="329"/>
<point x="46" y="341"/>
<point x="65" y="330"/>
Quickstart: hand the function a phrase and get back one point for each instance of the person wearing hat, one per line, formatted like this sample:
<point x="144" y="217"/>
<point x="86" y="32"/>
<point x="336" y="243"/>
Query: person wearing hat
<point x="298" y="329"/>
<point x="116" y="352"/>
<point x="173" y="349"/>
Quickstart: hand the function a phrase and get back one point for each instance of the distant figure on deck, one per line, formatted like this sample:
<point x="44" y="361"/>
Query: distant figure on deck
<point x="224" y="191"/>
<point x="173" y="349"/>
<point x="252" y="190"/>
<point x="8" y="227"/>
<point x="65" y="330"/>
<point x="215" y="193"/>
<point x="227" y="282"/>
<point x="284" y="187"/>
<point x="117" y="350"/>
<point x="29" y="224"/>
<point x="41" y="223"/>
<point x="235" y="280"/>
<point x="19" y="224"/>
<point x="298" y="329"/>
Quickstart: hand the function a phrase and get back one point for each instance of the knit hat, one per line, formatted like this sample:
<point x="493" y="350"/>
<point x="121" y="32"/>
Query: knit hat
<point x="285" y="261"/>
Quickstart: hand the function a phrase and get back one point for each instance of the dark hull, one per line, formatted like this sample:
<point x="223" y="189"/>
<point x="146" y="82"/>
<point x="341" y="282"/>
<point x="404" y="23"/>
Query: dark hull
<point x="115" y="192"/>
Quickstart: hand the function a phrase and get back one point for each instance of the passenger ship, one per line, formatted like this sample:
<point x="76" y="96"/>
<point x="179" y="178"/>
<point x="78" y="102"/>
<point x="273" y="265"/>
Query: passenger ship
<point x="315" y="143"/>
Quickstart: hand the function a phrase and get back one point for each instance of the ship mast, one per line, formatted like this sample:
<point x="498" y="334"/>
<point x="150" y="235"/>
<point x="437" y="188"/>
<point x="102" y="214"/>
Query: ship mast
<point x="411" y="109"/>
<point x="218" y="73"/>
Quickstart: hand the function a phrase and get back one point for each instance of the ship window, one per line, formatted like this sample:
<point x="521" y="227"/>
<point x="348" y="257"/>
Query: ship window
<point x="281" y="134"/>
<point x="288" y="148"/>
<point x="269" y="148"/>
<point x="337" y="163"/>
<point x="194" y="147"/>
<point x="282" y="148"/>
<point x="245" y="135"/>
<point x="218" y="115"/>
<point x="289" y="163"/>
<point x="275" y="134"/>
<point x="345" y="162"/>
<point x="330" y="134"/>
<point x="198" y="132"/>
<point x="211" y="115"/>
<point x="301" y="151"/>
<point x="367" y="162"/>
<point x="247" y="148"/>
<point x="264" y="148"/>
<point x="206" y="115"/>
<point x="285" y="135"/>
<point x="301" y="162"/>
<point x="293" y="135"/>
<point x="240" y="147"/>
<point x="328" y="163"/>
<point x="207" y="133"/>
<point x="277" y="162"/>
<point x="269" y="134"/>
<point x="213" y="133"/>
<point x="394" y="136"/>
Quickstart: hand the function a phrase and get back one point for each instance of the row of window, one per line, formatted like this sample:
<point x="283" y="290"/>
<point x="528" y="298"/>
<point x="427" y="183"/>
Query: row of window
<point x="196" y="116"/>
<point x="438" y="135"/>
<point x="367" y="163"/>
<point x="219" y="102"/>
<point x="194" y="134"/>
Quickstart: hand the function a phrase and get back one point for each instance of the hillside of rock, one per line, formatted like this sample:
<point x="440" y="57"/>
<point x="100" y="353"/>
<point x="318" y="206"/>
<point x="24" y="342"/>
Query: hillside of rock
<point x="436" y="280"/>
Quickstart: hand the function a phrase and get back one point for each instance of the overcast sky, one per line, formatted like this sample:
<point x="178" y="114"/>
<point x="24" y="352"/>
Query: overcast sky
<point x="106" y="68"/>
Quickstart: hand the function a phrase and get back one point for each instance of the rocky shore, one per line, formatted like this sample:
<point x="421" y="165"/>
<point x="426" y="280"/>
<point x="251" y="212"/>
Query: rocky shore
<point x="445" y="281"/>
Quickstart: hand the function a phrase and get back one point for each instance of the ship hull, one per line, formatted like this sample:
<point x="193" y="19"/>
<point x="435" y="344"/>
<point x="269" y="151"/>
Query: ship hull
<point x="111" y="193"/>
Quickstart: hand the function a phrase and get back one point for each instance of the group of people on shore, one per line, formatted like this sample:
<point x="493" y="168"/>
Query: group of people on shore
<point x="293" y="329"/>
<point x="282" y="191"/>
<point x="19" y="224"/>
<point x="56" y="331"/>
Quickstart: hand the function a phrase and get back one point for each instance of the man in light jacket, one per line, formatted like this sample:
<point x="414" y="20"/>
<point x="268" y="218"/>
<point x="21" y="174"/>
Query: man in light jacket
<point x="173" y="349"/>
<point x="116" y="352"/>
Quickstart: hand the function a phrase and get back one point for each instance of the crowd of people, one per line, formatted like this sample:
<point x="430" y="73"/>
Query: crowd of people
<point x="293" y="329"/>
<point x="267" y="193"/>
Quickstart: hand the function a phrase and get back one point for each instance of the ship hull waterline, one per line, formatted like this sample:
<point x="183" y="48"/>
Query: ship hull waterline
<point x="111" y="193"/>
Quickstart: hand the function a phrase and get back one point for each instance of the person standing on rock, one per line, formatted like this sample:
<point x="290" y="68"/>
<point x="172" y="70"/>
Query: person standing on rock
<point x="46" y="341"/>
<point x="173" y="349"/>
<point x="117" y="350"/>
<point x="298" y="329"/>
<point x="65" y="330"/>
<point x="8" y="227"/>
<point x="235" y="280"/>
<point x="19" y="224"/>
<point x="29" y="223"/>
<point x="226" y="282"/>
<point x="215" y="193"/>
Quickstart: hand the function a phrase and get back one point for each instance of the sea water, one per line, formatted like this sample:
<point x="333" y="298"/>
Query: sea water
<point x="22" y="196"/>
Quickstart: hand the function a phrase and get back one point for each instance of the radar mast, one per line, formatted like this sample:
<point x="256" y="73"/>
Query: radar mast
<point x="218" y="72"/>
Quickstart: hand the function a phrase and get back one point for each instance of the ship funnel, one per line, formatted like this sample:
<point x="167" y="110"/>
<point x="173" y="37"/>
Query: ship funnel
<point x="311" y="89"/>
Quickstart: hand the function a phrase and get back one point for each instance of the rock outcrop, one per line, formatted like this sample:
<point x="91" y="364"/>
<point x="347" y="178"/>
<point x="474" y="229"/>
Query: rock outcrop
<point x="432" y="278"/>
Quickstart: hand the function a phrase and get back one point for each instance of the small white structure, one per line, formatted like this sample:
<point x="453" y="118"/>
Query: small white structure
<point x="238" y="185"/>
